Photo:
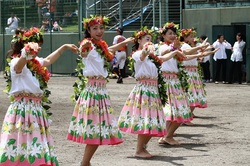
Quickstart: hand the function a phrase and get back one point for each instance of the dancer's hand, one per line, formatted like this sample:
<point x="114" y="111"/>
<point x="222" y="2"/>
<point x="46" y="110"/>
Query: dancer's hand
<point x="85" y="47"/>
<point x="148" y="48"/>
<point x="204" y="45"/>
<point x="181" y="55"/>
<point x="72" y="48"/>
<point x="176" y="43"/>
<point x="129" y="40"/>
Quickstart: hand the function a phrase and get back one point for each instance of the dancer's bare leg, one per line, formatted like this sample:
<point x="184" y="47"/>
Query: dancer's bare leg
<point x="161" y="140"/>
<point x="169" y="137"/>
<point x="88" y="154"/>
<point x="141" y="151"/>
<point x="192" y="111"/>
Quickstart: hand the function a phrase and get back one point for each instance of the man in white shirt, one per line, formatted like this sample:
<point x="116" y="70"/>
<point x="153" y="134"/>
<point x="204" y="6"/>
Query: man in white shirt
<point x="220" y="58"/>
<point x="120" y="55"/>
<point x="12" y="24"/>
<point x="236" y="59"/>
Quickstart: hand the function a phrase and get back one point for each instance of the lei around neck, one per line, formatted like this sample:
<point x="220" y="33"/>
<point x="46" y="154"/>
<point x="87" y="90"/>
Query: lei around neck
<point x="162" y="88"/>
<point x="182" y="73"/>
<point x="40" y="72"/>
<point x="102" y="48"/>
<point x="161" y="81"/>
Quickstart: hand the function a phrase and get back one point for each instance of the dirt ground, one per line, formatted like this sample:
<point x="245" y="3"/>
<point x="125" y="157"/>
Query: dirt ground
<point x="221" y="135"/>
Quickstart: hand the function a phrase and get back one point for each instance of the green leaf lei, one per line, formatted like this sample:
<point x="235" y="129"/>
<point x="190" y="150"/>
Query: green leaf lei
<point x="42" y="83"/>
<point x="182" y="73"/>
<point x="131" y="66"/>
<point x="79" y="84"/>
<point x="201" y="74"/>
<point x="162" y="88"/>
<point x="102" y="48"/>
<point x="183" y="76"/>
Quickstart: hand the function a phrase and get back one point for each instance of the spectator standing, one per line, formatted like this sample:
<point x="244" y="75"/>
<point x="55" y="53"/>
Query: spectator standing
<point x="236" y="59"/>
<point x="220" y="57"/>
<point x="52" y="10"/>
<point x="40" y="5"/>
<point x="12" y="24"/>
<point x="120" y="55"/>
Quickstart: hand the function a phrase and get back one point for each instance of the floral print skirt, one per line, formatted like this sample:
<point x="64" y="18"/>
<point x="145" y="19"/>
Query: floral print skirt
<point x="177" y="108"/>
<point x="196" y="93"/>
<point x="25" y="135"/>
<point x="143" y="112"/>
<point x="93" y="121"/>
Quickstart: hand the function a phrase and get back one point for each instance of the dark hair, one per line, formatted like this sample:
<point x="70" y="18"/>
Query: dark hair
<point x="181" y="39"/>
<point x="240" y="35"/>
<point x="120" y="30"/>
<point x="135" y="46"/>
<point x="165" y="31"/>
<point x="87" y="34"/>
<point x="219" y="36"/>
<point x="203" y="37"/>
<point x="17" y="46"/>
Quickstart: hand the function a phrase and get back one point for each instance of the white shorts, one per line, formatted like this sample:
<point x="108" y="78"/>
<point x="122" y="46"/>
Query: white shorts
<point x="121" y="59"/>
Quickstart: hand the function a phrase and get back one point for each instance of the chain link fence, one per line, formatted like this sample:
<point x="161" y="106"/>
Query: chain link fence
<point x="61" y="20"/>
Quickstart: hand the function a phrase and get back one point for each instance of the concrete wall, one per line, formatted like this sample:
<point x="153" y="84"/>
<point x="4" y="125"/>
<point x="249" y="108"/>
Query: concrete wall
<point x="67" y="62"/>
<point x="204" y="18"/>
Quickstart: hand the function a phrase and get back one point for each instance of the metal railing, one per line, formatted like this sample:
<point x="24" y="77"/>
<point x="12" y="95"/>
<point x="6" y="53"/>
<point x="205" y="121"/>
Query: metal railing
<point x="215" y="1"/>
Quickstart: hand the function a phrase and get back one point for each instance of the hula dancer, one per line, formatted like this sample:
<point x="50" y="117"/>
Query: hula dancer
<point x="142" y="113"/>
<point x="25" y="136"/>
<point x="93" y="122"/>
<point x="177" y="109"/>
<point x="196" y="93"/>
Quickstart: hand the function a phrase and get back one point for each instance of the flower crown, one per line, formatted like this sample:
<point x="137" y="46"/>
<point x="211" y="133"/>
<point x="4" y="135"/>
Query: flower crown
<point x="187" y="32"/>
<point x="93" y="20"/>
<point x="31" y="35"/>
<point x="17" y="38"/>
<point x="144" y="31"/>
<point x="197" y="40"/>
<point x="169" y="25"/>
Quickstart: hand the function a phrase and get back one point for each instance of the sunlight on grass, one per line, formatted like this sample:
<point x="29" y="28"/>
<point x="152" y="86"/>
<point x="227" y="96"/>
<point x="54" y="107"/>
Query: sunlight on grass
<point x="70" y="28"/>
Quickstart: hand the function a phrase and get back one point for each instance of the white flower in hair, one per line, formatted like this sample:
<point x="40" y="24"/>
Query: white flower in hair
<point x="154" y="28"/>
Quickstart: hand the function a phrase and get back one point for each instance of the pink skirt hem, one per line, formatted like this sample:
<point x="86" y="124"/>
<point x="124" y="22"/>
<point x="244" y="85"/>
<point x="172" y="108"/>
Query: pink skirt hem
<point x="153" y="133"/>
<point x="38" y="162"/>
<point x="110" y="141"/>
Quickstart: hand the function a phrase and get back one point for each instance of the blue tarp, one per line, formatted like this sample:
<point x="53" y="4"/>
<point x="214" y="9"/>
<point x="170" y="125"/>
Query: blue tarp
<point x="129" y="21"/>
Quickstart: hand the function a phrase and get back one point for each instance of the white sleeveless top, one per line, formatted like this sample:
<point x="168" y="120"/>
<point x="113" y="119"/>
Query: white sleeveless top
<point x="169" y="65"/>
<point x="145" y="68"/>
<point x="24" y="82"/>
<point x="192" y="62"/>
<point x="94" y="64"/>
